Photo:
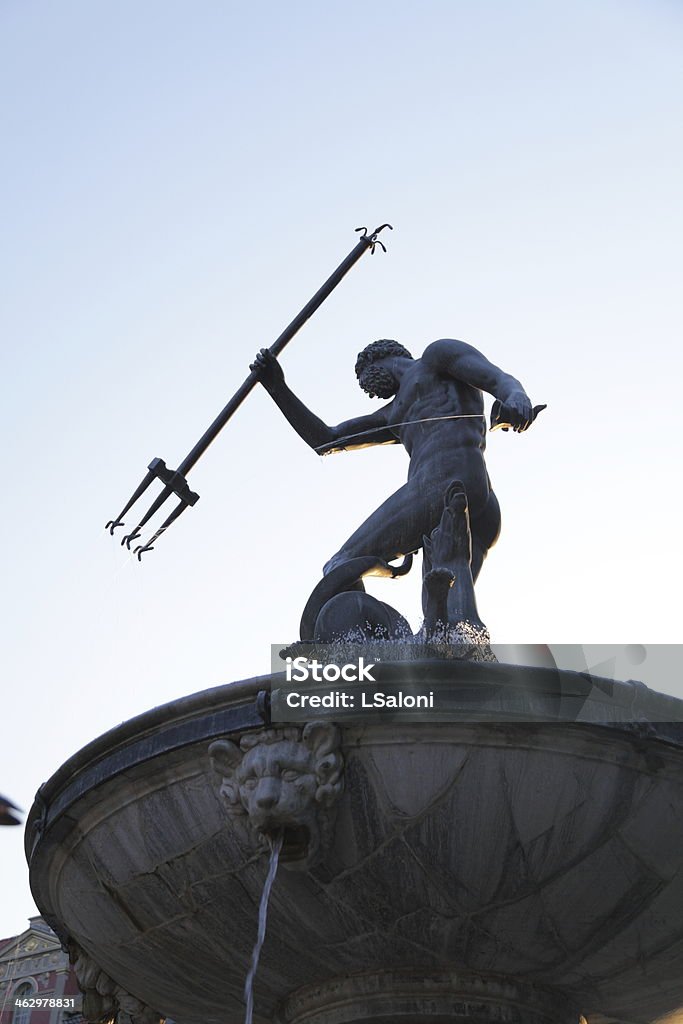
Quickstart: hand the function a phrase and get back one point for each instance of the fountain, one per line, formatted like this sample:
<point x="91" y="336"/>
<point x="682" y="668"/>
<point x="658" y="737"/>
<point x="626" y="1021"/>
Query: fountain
<point x="516" y="866"/>
<point x="510" y="852"/>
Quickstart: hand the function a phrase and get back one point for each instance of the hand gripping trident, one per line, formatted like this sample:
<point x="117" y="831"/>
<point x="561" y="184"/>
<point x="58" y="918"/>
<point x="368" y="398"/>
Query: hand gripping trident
<point x="174" y="480"/>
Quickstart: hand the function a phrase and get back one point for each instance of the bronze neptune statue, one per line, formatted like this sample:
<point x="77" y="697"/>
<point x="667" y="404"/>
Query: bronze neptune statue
<point x="436" y="411"/>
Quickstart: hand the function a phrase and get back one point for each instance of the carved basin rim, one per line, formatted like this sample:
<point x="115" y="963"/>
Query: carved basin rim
<point x="238" y="706"/>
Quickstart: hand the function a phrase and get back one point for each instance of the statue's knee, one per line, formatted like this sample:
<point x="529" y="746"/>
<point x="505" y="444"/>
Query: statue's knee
<point x="333" y="563"/>
<point x="340" y="558"/>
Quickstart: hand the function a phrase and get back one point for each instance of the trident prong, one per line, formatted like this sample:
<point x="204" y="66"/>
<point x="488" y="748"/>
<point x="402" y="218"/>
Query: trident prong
<point x="175" y="481"/>
<point x="373" y="240"/>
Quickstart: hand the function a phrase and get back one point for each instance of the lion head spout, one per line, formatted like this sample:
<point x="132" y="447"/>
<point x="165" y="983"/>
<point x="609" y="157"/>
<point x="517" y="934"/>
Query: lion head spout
<point x="286" y="781"/>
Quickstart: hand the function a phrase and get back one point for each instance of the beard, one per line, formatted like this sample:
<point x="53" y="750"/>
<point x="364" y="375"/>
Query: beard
<point x="378" y="382"/>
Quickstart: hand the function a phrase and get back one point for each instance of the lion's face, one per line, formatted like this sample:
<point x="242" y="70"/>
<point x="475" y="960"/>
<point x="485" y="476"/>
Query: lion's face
<point x="284" y="781"/>
<point x="277" y="787"/>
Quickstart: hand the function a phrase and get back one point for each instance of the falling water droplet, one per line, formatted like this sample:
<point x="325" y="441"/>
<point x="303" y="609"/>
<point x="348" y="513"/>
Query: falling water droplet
<point x="275" y="847"/>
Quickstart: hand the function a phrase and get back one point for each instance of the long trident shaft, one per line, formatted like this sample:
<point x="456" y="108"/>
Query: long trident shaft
<point x="175" y="481"/>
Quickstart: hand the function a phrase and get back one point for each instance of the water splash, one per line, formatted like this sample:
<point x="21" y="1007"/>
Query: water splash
<point x="275" y="847"/>
<point x="461" y="641"/>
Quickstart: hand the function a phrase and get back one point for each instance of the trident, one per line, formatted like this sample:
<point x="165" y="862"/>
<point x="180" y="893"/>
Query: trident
<point x="175" y="480"/>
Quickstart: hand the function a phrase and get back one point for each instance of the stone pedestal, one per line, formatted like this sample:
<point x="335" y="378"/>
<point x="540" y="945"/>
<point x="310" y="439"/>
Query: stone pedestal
<point x="424" y="997"/>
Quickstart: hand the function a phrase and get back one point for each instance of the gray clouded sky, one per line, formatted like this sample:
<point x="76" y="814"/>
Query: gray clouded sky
<point x="178" y="179"/>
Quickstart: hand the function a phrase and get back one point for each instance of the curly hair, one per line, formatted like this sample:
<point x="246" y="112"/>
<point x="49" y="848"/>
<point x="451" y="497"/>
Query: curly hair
<point x="379" y="350"/>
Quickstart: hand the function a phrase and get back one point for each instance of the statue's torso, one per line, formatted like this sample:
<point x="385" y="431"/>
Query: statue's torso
<point x="425" y="395"/>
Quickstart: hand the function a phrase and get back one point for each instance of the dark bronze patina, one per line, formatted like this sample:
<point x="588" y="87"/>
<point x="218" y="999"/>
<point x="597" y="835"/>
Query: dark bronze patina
<point x="437" y="413"/>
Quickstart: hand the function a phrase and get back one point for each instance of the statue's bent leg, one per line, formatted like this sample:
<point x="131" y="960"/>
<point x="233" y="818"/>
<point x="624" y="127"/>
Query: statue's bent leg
<point x="396" y="527"/>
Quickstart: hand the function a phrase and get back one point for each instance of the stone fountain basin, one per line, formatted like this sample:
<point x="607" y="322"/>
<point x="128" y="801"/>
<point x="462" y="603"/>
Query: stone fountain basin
<point x="544" y="853"/>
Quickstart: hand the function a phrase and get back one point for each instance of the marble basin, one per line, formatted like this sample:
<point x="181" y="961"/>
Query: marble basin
<point x="517" y="867"/>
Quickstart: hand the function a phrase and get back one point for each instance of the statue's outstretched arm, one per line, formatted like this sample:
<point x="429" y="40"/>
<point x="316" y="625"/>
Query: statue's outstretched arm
<point x="310" y="427"/>
<point x="466" y="363"/>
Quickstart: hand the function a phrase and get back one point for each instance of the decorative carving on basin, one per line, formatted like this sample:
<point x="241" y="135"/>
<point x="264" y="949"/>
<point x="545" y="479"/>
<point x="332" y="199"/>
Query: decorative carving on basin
<point x="104" y="1001"/>
<point x="285" y="780"/>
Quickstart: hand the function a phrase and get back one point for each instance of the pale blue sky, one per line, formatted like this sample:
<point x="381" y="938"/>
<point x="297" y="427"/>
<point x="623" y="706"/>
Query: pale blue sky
<point x="178" y="179"/>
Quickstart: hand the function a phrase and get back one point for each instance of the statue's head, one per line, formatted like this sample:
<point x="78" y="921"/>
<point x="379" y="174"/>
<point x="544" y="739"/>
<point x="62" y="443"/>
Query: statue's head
<point x="373" y="367"/>
<point x="285" y="780"/>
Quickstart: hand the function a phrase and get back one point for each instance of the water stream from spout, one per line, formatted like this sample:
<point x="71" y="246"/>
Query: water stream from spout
<point x="275" y="847"/>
